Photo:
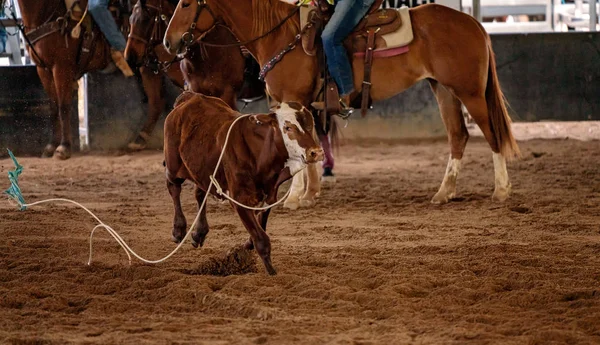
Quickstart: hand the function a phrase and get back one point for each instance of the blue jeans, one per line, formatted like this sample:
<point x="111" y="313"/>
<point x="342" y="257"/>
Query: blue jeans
<point x="348" y="13"/>
<point x="99" y="10"/>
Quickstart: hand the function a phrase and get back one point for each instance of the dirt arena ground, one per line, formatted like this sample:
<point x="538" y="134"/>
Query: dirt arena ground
<point x="375" y="263"/>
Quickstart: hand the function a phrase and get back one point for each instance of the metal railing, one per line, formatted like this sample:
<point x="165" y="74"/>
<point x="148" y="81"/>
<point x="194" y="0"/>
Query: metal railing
<point x="15" y="51"/>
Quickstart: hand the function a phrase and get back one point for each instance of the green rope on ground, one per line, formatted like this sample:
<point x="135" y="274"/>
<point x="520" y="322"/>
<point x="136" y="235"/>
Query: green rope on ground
<point x="14" y="191"/>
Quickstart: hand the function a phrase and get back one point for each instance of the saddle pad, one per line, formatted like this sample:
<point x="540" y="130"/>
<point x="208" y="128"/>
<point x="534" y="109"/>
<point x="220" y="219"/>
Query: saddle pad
<point x="401" y="37"/>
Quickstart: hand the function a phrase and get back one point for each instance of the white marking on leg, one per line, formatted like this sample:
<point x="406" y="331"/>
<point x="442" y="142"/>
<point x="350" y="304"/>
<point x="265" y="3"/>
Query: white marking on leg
<point x="297" y="188"/>
<point x="447" y="190"/>
<point x="503" y="186"/>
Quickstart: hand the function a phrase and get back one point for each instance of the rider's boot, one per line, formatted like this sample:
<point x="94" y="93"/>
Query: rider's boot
<point x="119" y="60"/>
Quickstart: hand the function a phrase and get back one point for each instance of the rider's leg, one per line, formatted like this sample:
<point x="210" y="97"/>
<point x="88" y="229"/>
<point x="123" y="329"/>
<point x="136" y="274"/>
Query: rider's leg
<point x="102" y="16"/>
<point x="347" y="15"/>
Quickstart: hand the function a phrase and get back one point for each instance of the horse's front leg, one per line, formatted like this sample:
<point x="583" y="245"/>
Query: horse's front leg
<point x="154" y="88"/>
<point x="48" y="84"/>
<point x="63" y="82"/>
<point x="297" y="189"/>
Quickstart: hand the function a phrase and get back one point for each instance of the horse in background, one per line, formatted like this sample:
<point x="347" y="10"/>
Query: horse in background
<point x="449" y="48"/>
<point x="64" y="49"/>
<point x="212" y="71"/>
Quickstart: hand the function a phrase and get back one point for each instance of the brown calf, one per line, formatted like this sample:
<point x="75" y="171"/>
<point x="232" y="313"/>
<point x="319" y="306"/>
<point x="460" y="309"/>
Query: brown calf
<point x="264" y="150"/>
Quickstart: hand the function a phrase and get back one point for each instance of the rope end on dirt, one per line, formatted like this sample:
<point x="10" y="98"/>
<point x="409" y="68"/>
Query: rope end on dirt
<point x="14" y="191"/>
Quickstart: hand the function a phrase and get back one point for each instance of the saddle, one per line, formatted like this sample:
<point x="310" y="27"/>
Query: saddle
<point x="381" y="30"/>
<point x="77" y="12"/>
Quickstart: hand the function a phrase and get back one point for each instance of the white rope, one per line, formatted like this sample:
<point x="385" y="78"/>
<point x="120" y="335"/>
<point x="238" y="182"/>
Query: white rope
<point x="122" y="242"/>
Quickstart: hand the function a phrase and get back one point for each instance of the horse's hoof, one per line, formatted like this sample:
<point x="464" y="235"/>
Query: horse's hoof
<point x="328" y="179"/>
<point x="48" y="151"/>
<point x="133" y="146"/>
<point x="328" y="176"/>
<point x="306" y="203"/>
<point x="62" y="153"/>
<point x="441" y="197"/>
<point x="500" y="195"/>
<point x="291" y="205"/>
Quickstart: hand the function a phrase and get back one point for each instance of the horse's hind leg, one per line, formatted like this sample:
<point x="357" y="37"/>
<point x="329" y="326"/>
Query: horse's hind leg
<point x="201" y="228"/>
<point x="48" y="83"/>
<point x="179" y="222"/>
<point x="450" y="108"/>
<point x="477" y="107"/>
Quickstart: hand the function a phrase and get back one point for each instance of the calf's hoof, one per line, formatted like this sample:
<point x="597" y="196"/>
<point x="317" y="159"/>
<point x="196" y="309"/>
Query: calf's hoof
<point x="62" y="152"/>
<point x="198" y="239"/>
<point x="271" y="270"/>
<point x="175" y="239"/>
<point x="48" y="151"/>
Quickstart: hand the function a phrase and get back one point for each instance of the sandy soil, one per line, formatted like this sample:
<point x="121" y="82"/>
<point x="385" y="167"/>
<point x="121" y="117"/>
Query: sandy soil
<point x="375" y="263"/>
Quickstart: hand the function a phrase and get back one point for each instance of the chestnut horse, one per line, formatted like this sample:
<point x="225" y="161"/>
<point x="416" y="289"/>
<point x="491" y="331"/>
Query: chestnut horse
<point x="58" y="58"/>
<point x="450" y="49"/>
<point x="211" y="71"/>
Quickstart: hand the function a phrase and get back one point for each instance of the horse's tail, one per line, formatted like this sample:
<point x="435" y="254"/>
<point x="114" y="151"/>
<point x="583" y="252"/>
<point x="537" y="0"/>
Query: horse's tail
<point x="499" y="118"/>
<point x="334" y="135"/>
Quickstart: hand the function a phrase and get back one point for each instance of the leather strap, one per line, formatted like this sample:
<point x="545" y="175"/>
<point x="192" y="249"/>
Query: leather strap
<point x="86" y="50"/>
<point x="366" y="86"/>
<point x="43" y="31"/>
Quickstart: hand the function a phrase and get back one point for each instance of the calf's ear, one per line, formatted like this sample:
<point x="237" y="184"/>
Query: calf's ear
<point x="264" y="119"/>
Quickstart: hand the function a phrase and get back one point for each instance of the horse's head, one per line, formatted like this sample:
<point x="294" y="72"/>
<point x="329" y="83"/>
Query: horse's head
<point x="148" y="23"/>
<point x="192" y="18"/>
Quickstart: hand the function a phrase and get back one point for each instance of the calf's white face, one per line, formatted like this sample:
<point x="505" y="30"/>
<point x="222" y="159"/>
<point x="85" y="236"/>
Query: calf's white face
<point x="296" y="126"/>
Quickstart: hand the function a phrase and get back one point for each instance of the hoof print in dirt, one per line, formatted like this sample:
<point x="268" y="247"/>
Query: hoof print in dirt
<point x="237" y="260"/>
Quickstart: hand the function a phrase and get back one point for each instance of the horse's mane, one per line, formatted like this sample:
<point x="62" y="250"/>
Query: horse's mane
<point x="268" y="13"/>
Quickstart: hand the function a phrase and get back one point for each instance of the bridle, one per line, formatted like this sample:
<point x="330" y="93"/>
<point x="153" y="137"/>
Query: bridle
<point x="187" y="38"/>
<point x="151" y="60"/>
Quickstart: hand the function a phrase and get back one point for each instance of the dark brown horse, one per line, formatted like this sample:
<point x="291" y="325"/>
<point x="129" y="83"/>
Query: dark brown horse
<point x="450" y="49"/>
<point x="212" y="71"/>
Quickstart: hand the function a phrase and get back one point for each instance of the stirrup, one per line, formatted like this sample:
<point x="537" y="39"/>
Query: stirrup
<point x="345" y="110"/>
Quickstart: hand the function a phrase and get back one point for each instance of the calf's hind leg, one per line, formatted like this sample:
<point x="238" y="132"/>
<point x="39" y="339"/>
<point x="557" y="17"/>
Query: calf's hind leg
<point x="201" y="228"/>
<point x="179" y="222"/>
<point x="450" y="108"/>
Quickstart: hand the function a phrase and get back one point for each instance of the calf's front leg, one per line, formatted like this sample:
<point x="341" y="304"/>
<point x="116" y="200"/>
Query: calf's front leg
<point x="259" y="237"/>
